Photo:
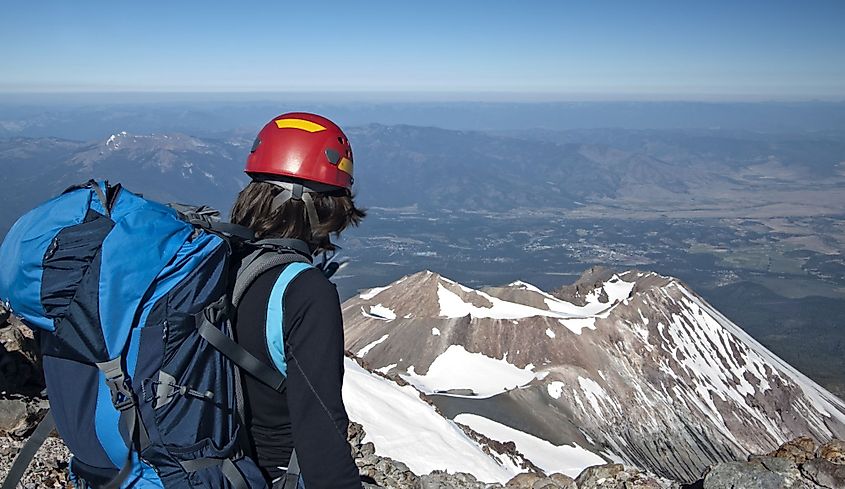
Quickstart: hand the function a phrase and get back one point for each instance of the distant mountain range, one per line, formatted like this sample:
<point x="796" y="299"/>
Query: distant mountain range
<point x="165" y="167"/>
<point x="632" y="367"/>
<point x="708" y="174"/>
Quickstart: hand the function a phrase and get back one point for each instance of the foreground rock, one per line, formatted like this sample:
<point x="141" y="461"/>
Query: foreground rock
<point x="796" y="464"/>
<point x="22" y="406"/>
<point x="48" y="470"/>
<point x="21" y="378"/>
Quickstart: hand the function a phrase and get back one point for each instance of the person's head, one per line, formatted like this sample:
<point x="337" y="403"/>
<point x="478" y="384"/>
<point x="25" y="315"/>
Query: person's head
<point x="301" y="170"/>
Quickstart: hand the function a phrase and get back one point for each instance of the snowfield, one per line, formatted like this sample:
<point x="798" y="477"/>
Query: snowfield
<point x="405" y="428"/>
<point x="373" y="292"/>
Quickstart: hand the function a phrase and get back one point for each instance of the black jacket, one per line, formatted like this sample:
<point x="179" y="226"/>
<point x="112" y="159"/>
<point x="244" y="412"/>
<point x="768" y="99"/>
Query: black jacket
<point x="309" y="414"/>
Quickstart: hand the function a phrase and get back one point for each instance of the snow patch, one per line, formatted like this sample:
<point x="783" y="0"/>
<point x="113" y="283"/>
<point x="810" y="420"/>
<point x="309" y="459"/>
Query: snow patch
<point x="577" y="325"/>
<point x="452" y="306"/>
<point x="595" y="393"/>
<point x="519" y="284"/>
<point x="363" y="351"/>
<point x="566" y="459"/>
<point x="555" y="389"/>
<point x="435" y="332"/>
<point x="456" y="368"/>
<point x="616" y="289"/>
<point x="373" y="292"/>
<point x="550" y="333"/>
<point x="379" y="312"/>
<point x="386" y="368"/>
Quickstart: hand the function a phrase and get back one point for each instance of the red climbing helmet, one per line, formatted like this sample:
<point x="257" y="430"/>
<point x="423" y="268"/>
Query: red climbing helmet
<point x="302" y="146"/>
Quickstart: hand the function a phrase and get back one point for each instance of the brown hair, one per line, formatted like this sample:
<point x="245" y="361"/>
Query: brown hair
<point x="336" y="211"/>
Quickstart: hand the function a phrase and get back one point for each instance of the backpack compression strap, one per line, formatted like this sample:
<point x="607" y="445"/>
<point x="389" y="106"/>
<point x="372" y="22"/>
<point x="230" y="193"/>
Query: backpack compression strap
<point x="245" y="360"/>
<point x="124" y="401"/>
<point x="227" y="467"/>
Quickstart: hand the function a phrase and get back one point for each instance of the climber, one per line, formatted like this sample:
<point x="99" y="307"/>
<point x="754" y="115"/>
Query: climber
<point x="300" y="194"/>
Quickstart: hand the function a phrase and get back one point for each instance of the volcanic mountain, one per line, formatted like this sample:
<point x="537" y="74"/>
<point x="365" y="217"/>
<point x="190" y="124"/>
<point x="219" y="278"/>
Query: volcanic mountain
<point x="632" y="367"/>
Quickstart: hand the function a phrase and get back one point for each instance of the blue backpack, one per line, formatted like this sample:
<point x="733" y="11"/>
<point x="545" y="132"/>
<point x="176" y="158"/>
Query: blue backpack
<point x="132" y="301"/>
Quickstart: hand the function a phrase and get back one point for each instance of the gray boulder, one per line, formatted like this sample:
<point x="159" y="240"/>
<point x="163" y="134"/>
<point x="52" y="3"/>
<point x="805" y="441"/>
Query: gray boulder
<point x="563" y="481"/>
<point x="732" y="475"/>
<point x="824" y="473"/>
<point x="796" y="464"/>
<point x="598" y="476"/>
<point x="524" y="481"/>
<point x="443" y="480"/>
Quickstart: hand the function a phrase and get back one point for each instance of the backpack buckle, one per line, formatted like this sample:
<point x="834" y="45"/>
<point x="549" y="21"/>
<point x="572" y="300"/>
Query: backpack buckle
<point x="121" y="393"/>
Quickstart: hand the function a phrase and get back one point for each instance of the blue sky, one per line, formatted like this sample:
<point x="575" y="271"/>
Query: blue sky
<point x="530" y="49"/>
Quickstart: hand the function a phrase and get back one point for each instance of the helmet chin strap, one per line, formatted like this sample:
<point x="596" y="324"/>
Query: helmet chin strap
<point x="296" y="191"/>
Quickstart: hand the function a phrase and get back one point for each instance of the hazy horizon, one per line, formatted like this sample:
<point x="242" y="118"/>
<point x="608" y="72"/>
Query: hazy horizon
<point x="88" y="117"/>
<point x="390" y="96"/>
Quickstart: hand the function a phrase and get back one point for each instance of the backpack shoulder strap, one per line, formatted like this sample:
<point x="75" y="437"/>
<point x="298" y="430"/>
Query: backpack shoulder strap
<point x="257" y="263"/>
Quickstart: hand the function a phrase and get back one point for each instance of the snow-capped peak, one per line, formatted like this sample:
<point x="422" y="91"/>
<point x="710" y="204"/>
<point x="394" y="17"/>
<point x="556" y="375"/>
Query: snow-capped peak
<point x="455" y="300"/>
<point x="620" y="364"/>
<point x="114" y="140"/>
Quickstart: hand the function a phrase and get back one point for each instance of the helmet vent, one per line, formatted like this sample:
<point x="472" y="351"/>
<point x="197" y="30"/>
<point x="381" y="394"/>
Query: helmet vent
<point x="255" y="145"/>
<point x="333" y="156"/>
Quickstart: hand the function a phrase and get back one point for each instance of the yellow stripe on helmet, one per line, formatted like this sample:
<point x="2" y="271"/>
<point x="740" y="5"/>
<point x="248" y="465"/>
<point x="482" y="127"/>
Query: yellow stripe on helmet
<point x="299" y="124"/>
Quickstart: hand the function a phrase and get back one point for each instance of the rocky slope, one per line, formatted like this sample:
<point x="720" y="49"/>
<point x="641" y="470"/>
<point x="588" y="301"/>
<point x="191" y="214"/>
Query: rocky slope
<point x="633" y="368"/>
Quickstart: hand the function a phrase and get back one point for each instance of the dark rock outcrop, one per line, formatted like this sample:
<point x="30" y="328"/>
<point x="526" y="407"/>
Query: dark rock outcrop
<point x="587" y="282"/>
<point x="20" y="367"/>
